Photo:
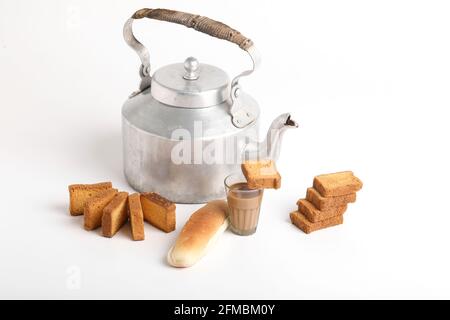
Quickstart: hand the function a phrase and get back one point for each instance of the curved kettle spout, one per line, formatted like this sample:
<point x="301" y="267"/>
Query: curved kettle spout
<point x="272" y="144"/>
<point x="270" y="147"/>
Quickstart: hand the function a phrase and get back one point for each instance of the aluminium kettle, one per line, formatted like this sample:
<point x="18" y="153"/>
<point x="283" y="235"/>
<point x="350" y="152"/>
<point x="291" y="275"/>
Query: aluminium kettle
<point x="188" y="126"/>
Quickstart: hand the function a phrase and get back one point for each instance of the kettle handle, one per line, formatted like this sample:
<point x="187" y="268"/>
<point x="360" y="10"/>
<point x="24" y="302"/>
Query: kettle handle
<point x="202" y="24"/>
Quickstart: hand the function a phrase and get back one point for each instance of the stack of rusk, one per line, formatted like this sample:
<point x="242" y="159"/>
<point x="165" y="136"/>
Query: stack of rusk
<point x="326" y="202"/>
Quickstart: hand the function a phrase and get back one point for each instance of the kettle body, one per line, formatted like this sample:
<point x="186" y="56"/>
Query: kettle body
<point x="175" y="152"/>
<point x="189" y="126"/>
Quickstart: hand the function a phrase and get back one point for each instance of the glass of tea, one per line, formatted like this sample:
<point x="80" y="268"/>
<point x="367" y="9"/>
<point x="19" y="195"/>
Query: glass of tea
<point x="244" y="204"/>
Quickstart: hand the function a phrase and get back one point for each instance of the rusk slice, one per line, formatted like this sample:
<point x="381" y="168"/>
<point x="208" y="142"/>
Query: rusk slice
<point x="159" y="211"/>
<point x="115" y="215"/>
<point x="136" y="217"/>
<point x="261" y="174"/>
<point x="322" y="203"/>
<point x="81" y="193"/>
<point x="93" y="210"/>
<point x="315" y="215"/>
<point x="300" y="221"/>
<point x="337" y="184"/>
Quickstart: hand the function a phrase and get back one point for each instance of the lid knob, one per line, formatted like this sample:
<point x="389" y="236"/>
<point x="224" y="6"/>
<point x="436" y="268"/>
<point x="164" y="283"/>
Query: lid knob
<point x="191" y="66"/>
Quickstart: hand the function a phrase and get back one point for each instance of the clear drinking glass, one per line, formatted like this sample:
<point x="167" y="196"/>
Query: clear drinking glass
<point x="244" y="204"/>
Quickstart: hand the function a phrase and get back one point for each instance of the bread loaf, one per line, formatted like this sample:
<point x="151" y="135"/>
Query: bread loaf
<point x="199" y="234"/>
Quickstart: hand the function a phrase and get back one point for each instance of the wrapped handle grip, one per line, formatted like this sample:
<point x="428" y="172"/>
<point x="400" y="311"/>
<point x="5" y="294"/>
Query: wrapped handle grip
<point x="202" y="24"/>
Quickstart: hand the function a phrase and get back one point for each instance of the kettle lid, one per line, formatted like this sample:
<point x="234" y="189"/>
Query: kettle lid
<point x="190" y="85"/>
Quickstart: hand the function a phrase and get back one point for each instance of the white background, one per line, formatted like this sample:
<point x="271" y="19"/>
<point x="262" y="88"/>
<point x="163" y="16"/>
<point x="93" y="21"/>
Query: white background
<point x="368" y="81"/>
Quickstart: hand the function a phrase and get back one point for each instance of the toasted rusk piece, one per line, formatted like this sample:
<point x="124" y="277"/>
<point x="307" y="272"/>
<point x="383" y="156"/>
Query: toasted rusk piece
<point x="136" y="216"/>
<point x="261" y="174"/>
<point x="159" y="211"/>
<point x="337" y="184"/>
<point x="81" y="193"/>
<point x="93" y="209"/>
<point x="322" y="203"/>
<point x="314" y="215"/>
<point x="300" y="221"/>
<point x="115" y="215"/>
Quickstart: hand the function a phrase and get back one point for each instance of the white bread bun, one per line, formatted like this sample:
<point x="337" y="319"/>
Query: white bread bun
<point x="199" y="234"/>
